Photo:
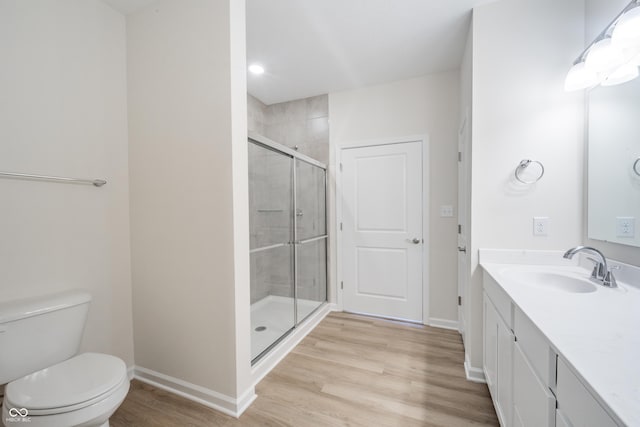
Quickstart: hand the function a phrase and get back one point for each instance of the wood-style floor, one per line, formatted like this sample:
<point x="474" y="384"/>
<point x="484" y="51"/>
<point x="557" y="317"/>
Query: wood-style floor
<point x="349" y="371"/>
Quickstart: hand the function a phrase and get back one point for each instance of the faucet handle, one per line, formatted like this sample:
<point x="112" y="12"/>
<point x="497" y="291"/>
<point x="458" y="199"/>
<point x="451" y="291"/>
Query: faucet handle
<point x="598" y="269"/>
<point x="609" y="280"/>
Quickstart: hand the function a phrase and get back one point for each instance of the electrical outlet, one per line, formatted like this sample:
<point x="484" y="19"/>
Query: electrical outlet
<point x="540" y="226"/>
<point x="446" y="211"/>
<point x="625" y="226"/>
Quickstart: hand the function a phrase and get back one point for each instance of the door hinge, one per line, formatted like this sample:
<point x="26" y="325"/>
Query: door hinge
<point x="340" y="226"/>
<point x="459" y="300"/>
<point x="341" y="285"/>
<point x="459" y="156"/>
<point x="340" y="167"/>
<point x="459" y="228"/>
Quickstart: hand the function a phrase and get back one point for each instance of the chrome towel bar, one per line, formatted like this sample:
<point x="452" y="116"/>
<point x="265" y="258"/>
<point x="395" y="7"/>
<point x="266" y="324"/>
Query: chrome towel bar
<point x="94" y="182"/>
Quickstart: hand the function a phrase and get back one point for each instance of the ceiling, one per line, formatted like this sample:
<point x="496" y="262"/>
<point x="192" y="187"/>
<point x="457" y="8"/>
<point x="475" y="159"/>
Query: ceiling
<point x="312" y="47"/>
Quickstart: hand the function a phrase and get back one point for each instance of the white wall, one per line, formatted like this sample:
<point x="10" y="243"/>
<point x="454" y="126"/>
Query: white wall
<point x="63" y="111"/>
<point x="189" y="204"/>
<point x="599" y="13"/>
<point x="522" y="50"/>
<point x="425" y="105"/>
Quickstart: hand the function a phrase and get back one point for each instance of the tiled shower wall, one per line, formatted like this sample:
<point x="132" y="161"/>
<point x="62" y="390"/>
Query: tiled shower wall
<point x="302" y="125"/>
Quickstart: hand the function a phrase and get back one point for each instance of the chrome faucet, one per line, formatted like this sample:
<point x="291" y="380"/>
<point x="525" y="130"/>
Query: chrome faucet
<point x="601" y="272"/>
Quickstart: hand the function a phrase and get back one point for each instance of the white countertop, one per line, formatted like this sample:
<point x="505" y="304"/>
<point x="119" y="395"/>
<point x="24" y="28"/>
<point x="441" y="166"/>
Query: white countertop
<point x="597" y="333"/>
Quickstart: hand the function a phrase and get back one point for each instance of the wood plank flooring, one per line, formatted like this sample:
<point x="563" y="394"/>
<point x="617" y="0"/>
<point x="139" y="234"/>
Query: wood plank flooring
<point x="349" y="371"/>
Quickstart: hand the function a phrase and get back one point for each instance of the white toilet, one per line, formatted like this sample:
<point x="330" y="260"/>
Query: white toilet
<point x="48" y="384"/>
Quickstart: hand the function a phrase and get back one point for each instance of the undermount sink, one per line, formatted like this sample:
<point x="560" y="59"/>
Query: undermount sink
<point x="559" y="281"/>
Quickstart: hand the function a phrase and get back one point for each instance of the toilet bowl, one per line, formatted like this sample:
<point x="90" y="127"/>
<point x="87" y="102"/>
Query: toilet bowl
<point x="47" y="382"/>
<point x="82" y="391"/>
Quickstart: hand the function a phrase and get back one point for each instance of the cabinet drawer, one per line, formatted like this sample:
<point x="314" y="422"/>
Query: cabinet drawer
<point x="500" y="299"/>
<point x="575" y="402"/>
<point x="535" y="347"/>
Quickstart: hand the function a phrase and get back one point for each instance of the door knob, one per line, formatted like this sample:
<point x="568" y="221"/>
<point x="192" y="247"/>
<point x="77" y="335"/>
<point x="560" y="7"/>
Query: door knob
<point x="464" y="249"/>
<point x="415" y="241"/>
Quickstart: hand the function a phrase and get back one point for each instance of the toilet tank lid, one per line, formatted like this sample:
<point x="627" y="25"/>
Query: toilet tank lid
<point x="33" y="306"/>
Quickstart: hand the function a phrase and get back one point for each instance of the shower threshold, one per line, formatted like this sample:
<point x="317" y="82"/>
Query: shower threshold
<point x="272" y="317"/>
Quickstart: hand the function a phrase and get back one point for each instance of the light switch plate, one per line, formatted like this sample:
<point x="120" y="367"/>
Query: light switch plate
<point x="625" y="226"/>
<point x="540" y="226"/>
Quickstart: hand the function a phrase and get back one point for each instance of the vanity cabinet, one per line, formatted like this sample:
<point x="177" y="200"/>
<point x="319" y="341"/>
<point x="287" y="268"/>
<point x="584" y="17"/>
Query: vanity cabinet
<point x="576" y="406"/>
<point x="530" y="385"/>
<point x="498" y="355"/>
<point x="533" y="402"/>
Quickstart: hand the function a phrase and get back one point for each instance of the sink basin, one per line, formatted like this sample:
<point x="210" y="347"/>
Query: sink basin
<point x="559" y="281"/>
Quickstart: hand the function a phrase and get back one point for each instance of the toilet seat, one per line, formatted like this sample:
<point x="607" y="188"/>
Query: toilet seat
<point x="71" y="385"/>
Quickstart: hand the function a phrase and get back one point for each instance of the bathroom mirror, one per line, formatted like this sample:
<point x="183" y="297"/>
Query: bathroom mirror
<point x="614" y="163"/>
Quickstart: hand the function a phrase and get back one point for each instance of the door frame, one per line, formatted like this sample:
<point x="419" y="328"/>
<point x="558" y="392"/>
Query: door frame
<point x="424" y="143"/>
<point x="464" y="151"/>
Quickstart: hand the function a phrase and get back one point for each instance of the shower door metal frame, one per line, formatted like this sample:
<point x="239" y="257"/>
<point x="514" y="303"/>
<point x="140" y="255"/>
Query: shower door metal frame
<point x="295" y="155"/>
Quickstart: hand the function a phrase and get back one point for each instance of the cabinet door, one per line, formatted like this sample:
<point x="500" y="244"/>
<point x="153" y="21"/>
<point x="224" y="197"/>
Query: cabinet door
<point x="533" y="403"/>
<point x="561" y="420"/>
<point x="490" y="361"/>
<point x="505" y="373"/>
<point x="576" y="403"/>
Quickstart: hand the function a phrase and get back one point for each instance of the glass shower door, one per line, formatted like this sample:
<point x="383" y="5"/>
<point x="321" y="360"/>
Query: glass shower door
<point x="310" y="238"/>
<point x="271" y="234"/>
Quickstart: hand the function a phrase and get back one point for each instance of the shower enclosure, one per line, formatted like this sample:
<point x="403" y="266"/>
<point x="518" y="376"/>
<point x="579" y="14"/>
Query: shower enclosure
<point x="287" y="204"/>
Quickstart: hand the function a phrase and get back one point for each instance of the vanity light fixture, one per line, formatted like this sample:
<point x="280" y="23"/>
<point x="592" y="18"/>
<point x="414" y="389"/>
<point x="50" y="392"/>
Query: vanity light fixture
<point x="623" y="74"/>
<point x="604" y="57"/>
<point x="613" y="57"/>
<point x="579" y="77"/>
<point x="626" y="33"/>
<point x="256" y="69"/>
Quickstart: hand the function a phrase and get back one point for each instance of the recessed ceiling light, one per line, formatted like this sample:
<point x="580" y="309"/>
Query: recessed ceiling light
<point x="256" y="69"/>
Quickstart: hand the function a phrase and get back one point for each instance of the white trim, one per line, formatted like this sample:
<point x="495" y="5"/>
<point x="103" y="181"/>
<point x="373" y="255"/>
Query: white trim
<point x="284" y="347"/>
<point x="131" y="372"/>
<point x="202" y="395"/>
<point x="473" y="374"/>
<point x="424" y="143"/>
<point x="426" y="247"/>
<point x="444" y="324"/>
<point x="338" y="232"/>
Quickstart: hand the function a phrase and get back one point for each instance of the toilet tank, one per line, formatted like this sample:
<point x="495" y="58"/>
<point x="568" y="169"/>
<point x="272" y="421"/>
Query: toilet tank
<point x="38" y="332"/>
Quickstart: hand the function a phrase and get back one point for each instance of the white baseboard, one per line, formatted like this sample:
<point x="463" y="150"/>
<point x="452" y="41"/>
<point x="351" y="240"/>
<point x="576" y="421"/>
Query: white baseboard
<point x="444" y="324"/>
<point x="268" y="362"/>
<point x="131" y="372"/>
<point x="207" y="397"/>
<point x="473" y="374"/>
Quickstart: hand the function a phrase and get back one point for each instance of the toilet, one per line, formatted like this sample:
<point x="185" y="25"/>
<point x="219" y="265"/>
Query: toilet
<point x="47" y="382"/>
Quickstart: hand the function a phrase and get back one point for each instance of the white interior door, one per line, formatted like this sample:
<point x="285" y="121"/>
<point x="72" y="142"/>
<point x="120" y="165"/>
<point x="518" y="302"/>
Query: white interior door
<point x="463" y="220"/>
<point x="382" y="243"/>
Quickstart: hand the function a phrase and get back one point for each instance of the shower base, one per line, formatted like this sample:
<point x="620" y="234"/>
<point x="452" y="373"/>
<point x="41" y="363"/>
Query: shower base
<point x="272" y="317"/>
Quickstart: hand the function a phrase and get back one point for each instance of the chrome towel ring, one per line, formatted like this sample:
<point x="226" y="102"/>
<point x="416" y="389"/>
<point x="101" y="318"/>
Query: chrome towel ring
<point x="636" y="166"/>
<point x="524" y="164"/>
